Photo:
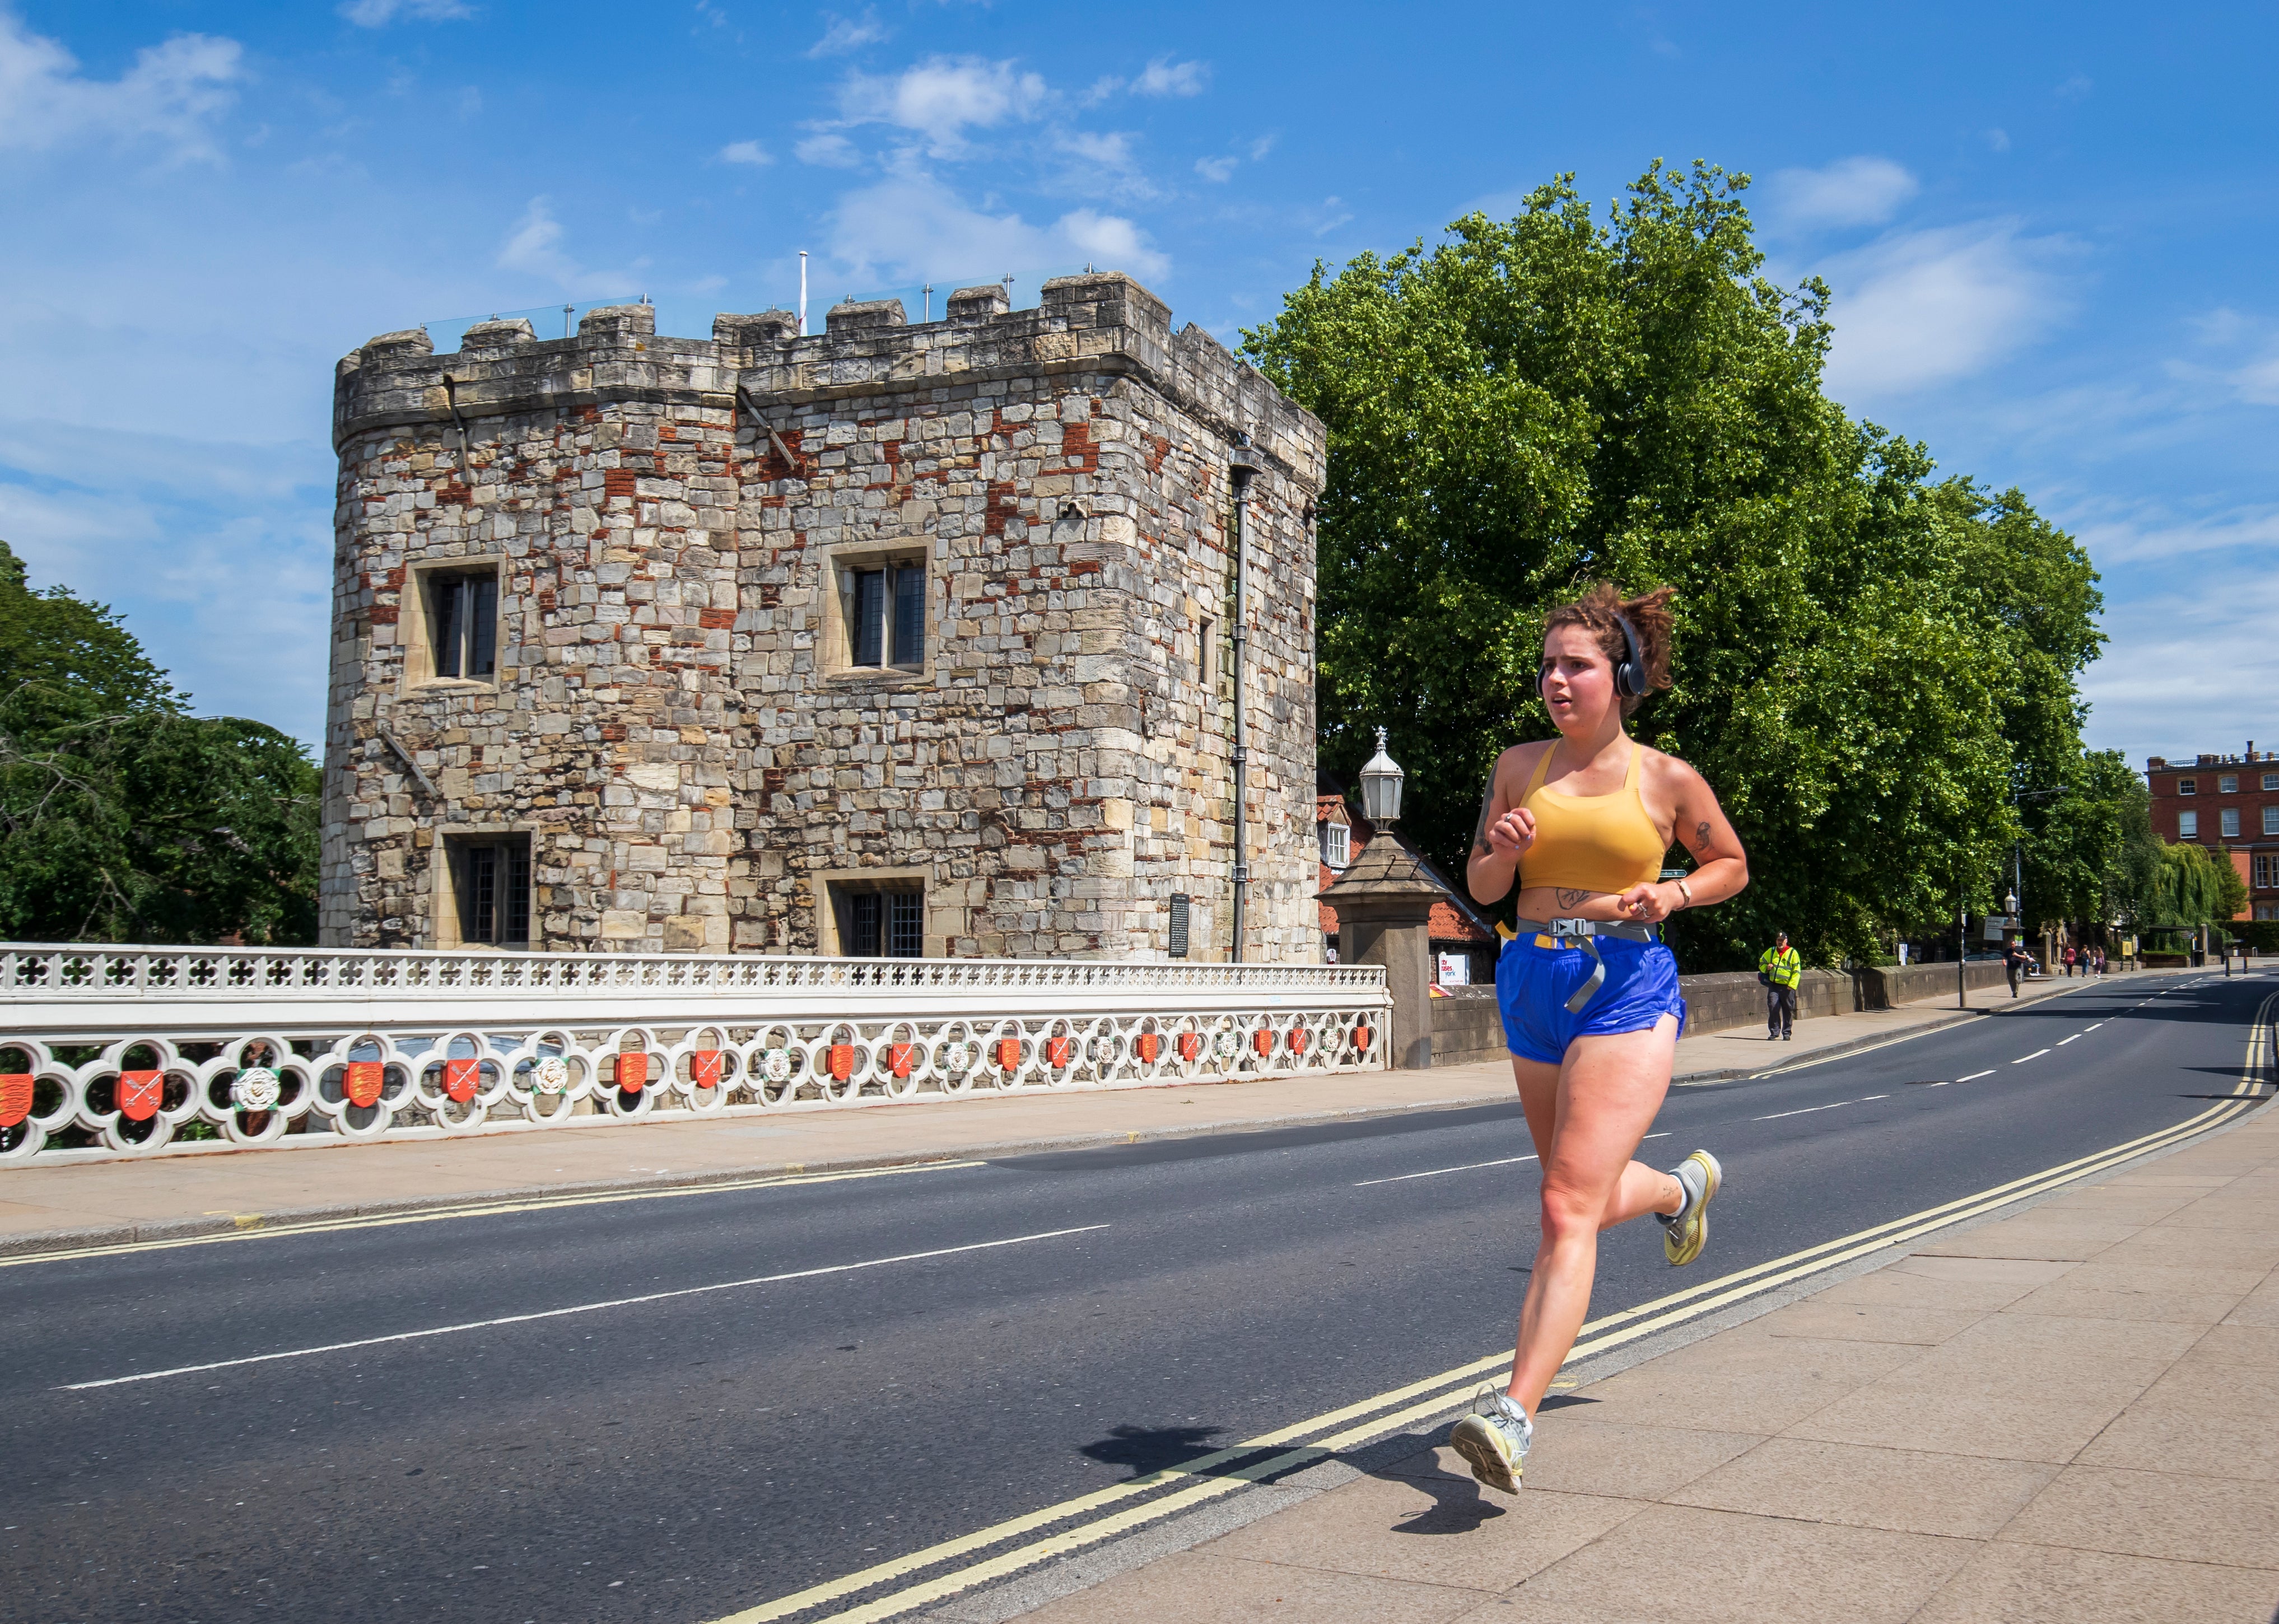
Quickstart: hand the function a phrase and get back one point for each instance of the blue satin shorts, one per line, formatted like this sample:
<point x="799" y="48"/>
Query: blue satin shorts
<point x="1533" y="984"/>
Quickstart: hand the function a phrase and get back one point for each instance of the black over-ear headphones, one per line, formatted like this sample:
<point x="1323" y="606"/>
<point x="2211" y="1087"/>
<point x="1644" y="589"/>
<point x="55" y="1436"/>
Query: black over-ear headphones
<point x="1630" y="674"/>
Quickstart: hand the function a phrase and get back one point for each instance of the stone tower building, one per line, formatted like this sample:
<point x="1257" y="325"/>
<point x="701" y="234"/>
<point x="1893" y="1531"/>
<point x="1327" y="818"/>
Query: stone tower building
<point x="893" y="640"/>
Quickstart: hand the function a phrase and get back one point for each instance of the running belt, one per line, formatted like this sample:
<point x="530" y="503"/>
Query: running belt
<point x="1580" y="932"/>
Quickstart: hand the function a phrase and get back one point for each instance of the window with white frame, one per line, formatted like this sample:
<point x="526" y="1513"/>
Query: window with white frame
<point x="2188" y="786"/>
<point x="2266" y="874"/>
<point x="2271" y="780"/>
<point x="2267" y="910"/>
<point x="1337" y="845"/>
<point x="2228" y="785"/>
<point x="2230" y="823"/>
<point x="2271" y="820"/>
<point x="2188" y="825"/>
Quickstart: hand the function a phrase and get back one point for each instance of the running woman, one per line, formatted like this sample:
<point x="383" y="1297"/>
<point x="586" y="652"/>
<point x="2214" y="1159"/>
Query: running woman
<point x="1590" y="1004"/>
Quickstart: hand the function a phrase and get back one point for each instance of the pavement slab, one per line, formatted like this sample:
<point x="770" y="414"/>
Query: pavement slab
<point x="2060" y="1415"/>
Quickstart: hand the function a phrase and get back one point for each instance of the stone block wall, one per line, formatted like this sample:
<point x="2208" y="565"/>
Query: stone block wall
<point x="674" y="724"/>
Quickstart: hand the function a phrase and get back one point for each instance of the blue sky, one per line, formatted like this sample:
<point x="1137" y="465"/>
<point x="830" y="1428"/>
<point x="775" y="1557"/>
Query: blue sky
<point x="2050" y="232"/>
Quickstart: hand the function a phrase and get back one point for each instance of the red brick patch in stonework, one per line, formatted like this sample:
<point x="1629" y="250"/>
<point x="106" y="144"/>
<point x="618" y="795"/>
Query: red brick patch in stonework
<point x="384" y="613"/>
<point x="1076" y="444"/>
<point x="716" y="619"/>
<point x="1156" y="453"/>
<point x="1004" y="504"/>
<point x="616" y="482"/>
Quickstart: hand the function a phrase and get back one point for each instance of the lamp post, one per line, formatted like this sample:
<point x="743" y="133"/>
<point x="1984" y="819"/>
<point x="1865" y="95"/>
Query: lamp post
<point x="1384" y="902"/>
<point x="1380" y="786"/>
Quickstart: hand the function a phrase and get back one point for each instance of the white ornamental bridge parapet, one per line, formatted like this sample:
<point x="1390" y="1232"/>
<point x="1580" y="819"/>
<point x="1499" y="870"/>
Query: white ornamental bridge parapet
<point x="110" y="1052"/>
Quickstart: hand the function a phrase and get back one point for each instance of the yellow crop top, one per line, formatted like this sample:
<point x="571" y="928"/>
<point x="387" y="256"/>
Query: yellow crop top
<point x="1591" y="842"/>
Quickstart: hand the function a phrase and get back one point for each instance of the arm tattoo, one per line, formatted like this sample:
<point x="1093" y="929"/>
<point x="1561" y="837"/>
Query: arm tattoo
<point x="1701" y="834"/>
<point x="1573" y="899"/>
<point x="1487" y="806"/>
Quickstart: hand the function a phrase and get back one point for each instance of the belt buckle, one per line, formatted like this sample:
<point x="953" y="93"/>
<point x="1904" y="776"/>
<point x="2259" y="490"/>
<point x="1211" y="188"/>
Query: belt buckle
<point x="1566" y="929"/>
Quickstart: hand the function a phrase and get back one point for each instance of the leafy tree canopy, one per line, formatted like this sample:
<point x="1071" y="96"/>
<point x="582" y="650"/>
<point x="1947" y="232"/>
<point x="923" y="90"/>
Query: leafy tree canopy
<point x="1871" y="661"/>
<point x="123" y="818"/>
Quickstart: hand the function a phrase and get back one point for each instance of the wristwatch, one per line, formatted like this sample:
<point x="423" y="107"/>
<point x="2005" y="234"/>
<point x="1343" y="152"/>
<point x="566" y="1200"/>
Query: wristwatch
<point x="1685" y="891"/>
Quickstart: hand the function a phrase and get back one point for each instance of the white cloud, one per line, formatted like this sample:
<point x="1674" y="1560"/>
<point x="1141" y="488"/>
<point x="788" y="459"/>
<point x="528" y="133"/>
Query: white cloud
<point x="2151" y="535"/>
<point x="1853" y="191"/>
<point x="2190" y="663"/>
<point x="171" y="95"/>
<point x="1264" y="145"/>
<point x="1112" y="242"/>
<point x="912" y="226"/>
<point x="745" y="152"/>
<point x="1998" y="140"/>
<point x="846" y="33"/>
<point x="828" y="149"/>
<point x="534" y="247"/>
<point x="1929" y="307"/>
<point x="942" y="97"/>
<point x="1165" y="77"/>
<point x="1215" y="169"/>
<point x="380" y="13"/>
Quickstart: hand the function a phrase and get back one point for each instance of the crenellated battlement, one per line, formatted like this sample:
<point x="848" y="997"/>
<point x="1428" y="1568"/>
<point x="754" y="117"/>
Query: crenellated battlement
<point x="1104" y="323"/>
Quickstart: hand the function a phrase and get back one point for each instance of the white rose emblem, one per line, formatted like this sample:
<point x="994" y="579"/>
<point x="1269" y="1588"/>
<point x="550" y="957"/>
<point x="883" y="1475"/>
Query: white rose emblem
<point x="1223" y="1046"/>
<point x="957" y="1056"/>
<point x="551" y="1075"/>
<point x="775" y="1065"/>
<point x="256" y="1089"/>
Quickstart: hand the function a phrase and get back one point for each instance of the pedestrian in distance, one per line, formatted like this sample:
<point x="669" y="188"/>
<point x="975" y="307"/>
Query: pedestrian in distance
<point x="2069" y="960"/>
<point x="1589" y="992"/>
<point x="2014" y="961"/>
<point x="1781" y="971"/>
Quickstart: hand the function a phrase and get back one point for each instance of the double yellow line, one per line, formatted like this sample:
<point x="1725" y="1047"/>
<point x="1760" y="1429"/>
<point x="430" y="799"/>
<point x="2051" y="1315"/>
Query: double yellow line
<point x="1106" y="1512"/>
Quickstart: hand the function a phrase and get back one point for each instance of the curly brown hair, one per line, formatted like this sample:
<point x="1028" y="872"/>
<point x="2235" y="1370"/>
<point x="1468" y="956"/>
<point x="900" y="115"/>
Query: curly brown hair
<point x="1602" y="609"/>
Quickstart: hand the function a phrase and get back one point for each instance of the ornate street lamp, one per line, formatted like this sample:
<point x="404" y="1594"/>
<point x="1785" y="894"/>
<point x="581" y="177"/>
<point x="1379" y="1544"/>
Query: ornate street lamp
<point x="1380" y="787"/>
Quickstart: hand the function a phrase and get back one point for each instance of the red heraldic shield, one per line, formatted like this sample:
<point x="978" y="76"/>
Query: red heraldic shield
<point x="1150" y="1046"/>
<point x="1056" y="1052"/>
<point x="139" y="1094"/>
<point x="1190" y="1045"/>
<point x="1361" y="1036"/>
<point x="704" y="1068"/>
<point x="15" y="1097"/>
<point x="1297" y="1040"/>
<point x="461" y="1078"/>
<point x="632" y="1072"/>
<point x="842" y="1061"/>
<point x="1263" y="1040"/>
<point x="901" y="1057"/>
<point x="1008" y="1054"/>
<point x="364" y="1081"/>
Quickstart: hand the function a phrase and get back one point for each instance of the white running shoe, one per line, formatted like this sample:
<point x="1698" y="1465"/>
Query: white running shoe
<point x="1686" y="1231"/>
<point x="1493" y="1439"/>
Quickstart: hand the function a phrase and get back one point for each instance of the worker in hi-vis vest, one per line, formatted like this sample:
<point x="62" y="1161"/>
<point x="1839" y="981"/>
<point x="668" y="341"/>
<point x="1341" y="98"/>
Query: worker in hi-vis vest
<point x="1782" y="971"/>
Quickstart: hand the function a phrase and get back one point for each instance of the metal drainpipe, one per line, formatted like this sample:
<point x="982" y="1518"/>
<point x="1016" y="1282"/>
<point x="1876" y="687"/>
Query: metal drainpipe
<point x="1241" y="464"/>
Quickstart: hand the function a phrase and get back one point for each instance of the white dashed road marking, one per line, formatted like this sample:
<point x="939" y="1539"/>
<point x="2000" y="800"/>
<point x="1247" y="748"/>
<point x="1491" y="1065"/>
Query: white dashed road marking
<point x="2022" y="1059"/>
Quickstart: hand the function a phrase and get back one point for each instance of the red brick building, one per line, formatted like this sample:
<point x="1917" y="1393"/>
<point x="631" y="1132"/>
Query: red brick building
<point x="2230" y="804"/>
<point x="1465" y="942"/>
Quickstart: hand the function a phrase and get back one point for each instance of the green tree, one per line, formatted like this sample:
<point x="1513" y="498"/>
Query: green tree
<point x="2195" y="886"/>
<point x="122" y="817"/>
<point x="1537" y="403"/>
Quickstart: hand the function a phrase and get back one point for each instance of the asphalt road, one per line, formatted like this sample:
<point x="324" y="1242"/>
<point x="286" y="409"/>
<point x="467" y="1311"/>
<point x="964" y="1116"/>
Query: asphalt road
<point x="680" y="1458"/>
